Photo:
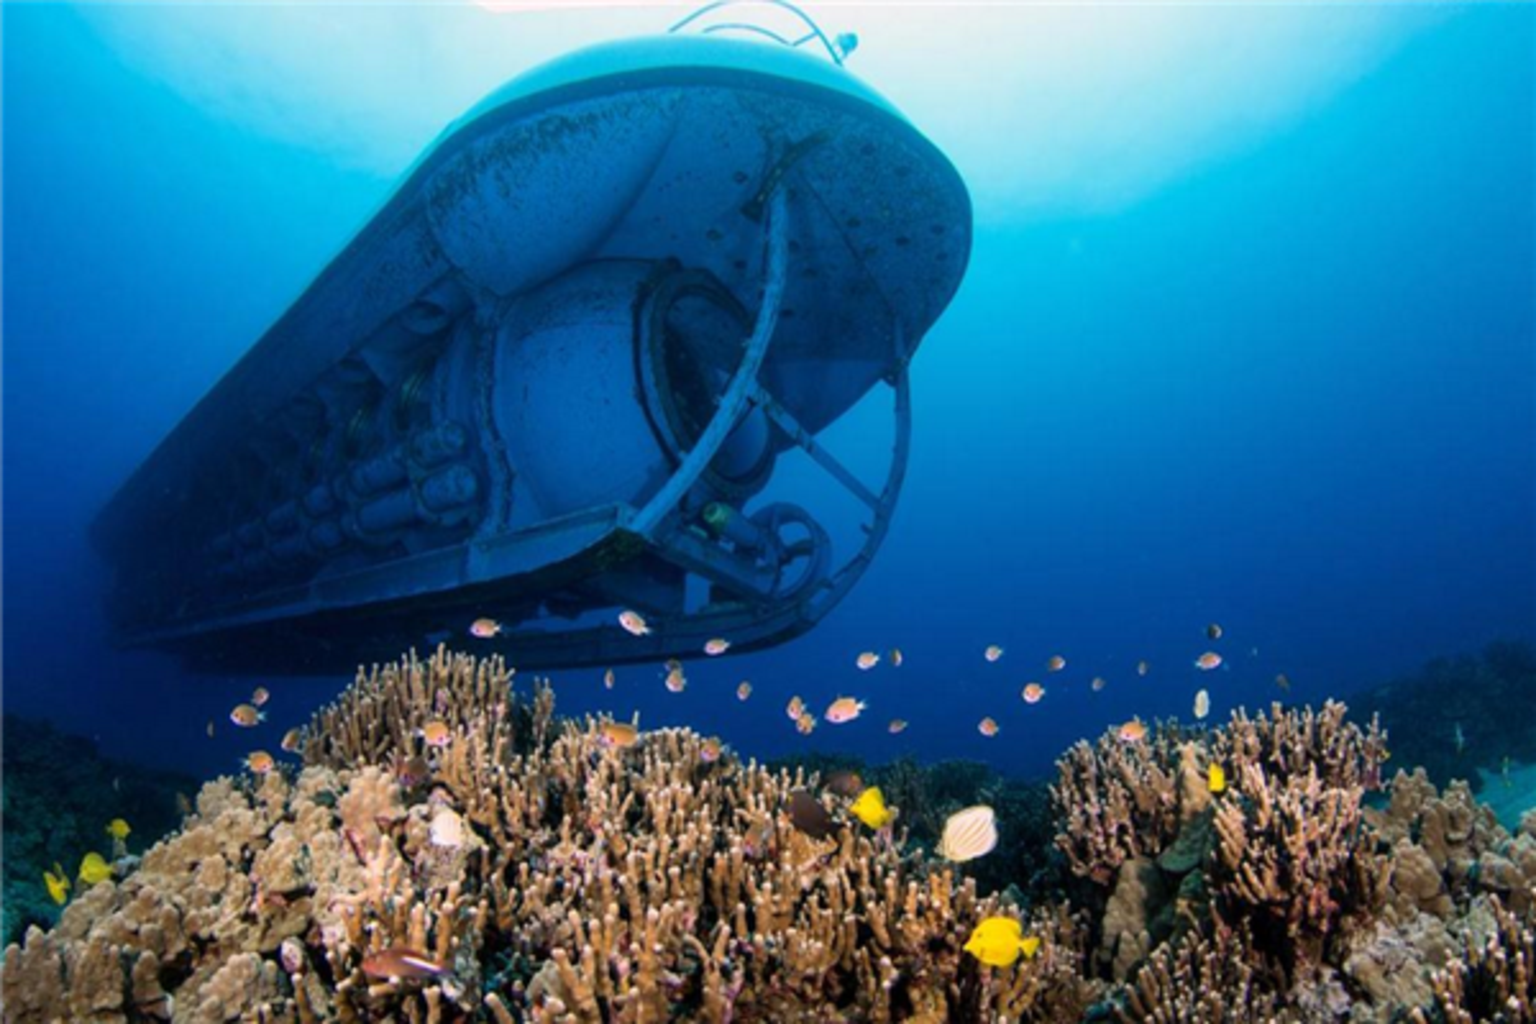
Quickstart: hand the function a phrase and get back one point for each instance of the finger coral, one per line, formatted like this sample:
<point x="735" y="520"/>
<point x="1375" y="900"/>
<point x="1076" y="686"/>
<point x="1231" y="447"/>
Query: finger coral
<point x="452" y="852"/>
<point x="555" y="878"/>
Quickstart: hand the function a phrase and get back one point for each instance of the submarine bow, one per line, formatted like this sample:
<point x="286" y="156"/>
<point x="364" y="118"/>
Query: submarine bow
<point x="552" y="377"/>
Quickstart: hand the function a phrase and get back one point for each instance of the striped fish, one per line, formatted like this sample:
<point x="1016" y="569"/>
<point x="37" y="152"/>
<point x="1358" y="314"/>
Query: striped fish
<point x="969" y="834"/>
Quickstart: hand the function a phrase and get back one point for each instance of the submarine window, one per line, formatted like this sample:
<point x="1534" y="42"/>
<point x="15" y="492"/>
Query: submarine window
<point x="700" y="337"/>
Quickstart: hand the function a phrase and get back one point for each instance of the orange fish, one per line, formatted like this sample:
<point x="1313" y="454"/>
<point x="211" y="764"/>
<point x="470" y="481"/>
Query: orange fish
<point x="794" y="709"/>
<point x="709" y="750"/>
<point x="844" y="709"/>
<point x="1133" y="731"/>
<point x="987" y="727"/>
<point x="676" y="681"/>
<point x="608" y="679"/>
<point x="484" y="629"/>
<point x="634" y="623"/>
<point x="260" y="762"/>
<point x="806" y="723"/>
<point x="1098" y="683"/>
<point x="717" y="646"/>
<point x="897" y="726"/>
<point x="246" y="716"/>
<point x="291" y="740"/>
<point x="260" y="696"/>
<point x="743" y="690"/>
<point x="867" y="661"/>
<point x="436" y="733"/>
<point x="1208" y="661"/>
<point x="1056" y="663"/>
<point x="403" y="963"/>
<point x="617" y="734"/>
<point x="992" y="653"/>
<point x="1034" y="693"/>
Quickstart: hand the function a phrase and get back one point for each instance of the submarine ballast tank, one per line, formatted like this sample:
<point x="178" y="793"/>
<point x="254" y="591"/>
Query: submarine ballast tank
<point x="551" y="378"/>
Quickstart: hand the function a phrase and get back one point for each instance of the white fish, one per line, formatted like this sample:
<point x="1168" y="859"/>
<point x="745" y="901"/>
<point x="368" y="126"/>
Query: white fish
<point x="717" y="646"/>
<point x="1202" y="704"/>
<point x="633" y="623"/>
<point x="447" y="829"/>
<point x="969" y="834"/>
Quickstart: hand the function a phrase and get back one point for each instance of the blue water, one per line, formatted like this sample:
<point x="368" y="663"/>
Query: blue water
<point x="1288" y="386"/>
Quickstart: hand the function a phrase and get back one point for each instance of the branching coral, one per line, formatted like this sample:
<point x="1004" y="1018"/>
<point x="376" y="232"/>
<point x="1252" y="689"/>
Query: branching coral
<point x="1291" y="856"/>
<point x="1495" y="981"/>
<point x="1118" y="801"/>
<point x="1200" y="981"/>
<point x="564" y="877"/>
<point x="510" y="866"/>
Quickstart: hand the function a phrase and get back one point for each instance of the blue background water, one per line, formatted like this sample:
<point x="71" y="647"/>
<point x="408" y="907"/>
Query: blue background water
<point x="1290" y="386"/>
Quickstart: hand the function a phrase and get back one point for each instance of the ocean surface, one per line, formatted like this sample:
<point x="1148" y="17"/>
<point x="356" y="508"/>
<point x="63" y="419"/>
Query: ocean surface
<point x="1248" y="337"/>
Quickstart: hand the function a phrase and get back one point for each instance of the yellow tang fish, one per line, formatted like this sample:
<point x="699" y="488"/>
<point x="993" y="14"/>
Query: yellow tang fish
<point x="999" y="941"/>
<point x="117" y="828"/>
<point x="58" y="884"/>
<point x="1216" y="779"/>
<point x="871" y="810"/>
<point x="94" y="868"/>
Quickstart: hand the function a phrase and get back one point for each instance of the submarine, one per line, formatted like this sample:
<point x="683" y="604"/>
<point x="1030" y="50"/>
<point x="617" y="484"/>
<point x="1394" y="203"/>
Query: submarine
<point x="551" y="378"/>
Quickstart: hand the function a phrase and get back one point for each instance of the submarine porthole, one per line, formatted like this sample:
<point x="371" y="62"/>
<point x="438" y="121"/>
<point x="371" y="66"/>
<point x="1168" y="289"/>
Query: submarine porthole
<point x="695" y="337"/>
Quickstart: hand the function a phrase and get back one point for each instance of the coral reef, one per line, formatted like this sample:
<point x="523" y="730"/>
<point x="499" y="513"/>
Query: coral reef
<point x="1025" y="862"/>
<point x="59" y="794"/>
<point x="546" y="872"/>
<point x="1267" y="889"/>
<point x="449" y="853"/>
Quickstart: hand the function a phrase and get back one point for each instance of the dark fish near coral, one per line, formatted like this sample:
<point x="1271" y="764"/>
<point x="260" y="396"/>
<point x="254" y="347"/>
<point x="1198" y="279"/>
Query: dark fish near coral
<point x="403" y="963"/>
<point x="844" y="783"/>
<point x="411" y="771"/>
<point x="808" y="815"/>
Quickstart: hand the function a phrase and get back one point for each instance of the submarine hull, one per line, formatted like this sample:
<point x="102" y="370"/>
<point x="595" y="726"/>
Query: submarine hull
<point x="553" y="374"/>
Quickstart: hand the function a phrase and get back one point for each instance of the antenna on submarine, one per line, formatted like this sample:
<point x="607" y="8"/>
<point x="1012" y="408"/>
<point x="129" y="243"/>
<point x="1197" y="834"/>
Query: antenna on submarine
<point x="838" y="47"/>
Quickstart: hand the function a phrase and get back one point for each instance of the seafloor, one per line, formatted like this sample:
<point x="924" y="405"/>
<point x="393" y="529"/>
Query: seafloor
<point x="551" y="870"/>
